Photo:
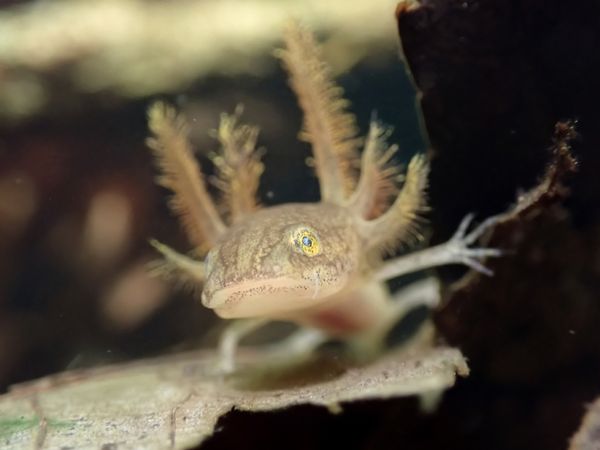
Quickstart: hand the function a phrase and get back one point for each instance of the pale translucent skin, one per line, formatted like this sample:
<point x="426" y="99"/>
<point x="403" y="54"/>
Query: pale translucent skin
<point x="320" y="265"/>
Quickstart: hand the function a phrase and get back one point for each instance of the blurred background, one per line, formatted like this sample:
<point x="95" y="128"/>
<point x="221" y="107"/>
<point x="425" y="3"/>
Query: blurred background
<point x="78" y="201"/>
<point x="77" y="198"/>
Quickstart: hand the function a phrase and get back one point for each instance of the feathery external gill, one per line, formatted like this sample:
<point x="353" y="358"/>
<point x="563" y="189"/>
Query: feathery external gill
<point x="399" y="223"/>
<point x="181" y="174"/>
<point x="377" y="184"/>
<point x="328" y="127"/>
<point x="238" y="165"/>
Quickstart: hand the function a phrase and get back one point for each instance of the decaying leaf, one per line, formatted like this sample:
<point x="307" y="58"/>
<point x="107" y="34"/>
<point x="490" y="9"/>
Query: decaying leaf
<point x="588" y="435"/>
<point x="535" y="235"/>
<point x="174" y="402"/>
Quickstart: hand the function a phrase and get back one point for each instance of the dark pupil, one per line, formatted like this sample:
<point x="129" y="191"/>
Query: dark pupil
<point x="306" y="241"/>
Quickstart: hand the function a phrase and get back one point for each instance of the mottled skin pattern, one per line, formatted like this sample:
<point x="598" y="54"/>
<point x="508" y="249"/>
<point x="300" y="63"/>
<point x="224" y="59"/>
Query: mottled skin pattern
<point x="320" y="265"/>
<point x="260" y="249"/>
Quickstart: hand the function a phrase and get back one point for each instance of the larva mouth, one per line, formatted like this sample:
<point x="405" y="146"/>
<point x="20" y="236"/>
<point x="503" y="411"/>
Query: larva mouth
<point x="265" y="297"/>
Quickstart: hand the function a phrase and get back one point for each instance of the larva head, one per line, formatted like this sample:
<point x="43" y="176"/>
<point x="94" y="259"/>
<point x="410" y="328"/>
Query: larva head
<point x="281" y="259"/>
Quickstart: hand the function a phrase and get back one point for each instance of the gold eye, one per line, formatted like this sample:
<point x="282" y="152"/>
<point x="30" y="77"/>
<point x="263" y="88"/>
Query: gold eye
<point x="306" y="241"/>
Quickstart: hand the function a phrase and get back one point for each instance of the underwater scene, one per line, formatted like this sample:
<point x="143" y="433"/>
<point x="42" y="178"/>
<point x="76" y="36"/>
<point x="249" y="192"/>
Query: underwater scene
<point x="299" y="224"/>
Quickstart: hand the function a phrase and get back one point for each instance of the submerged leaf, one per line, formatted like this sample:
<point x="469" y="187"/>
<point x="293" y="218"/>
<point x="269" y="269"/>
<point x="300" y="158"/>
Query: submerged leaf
<point x="174" y="402"/>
